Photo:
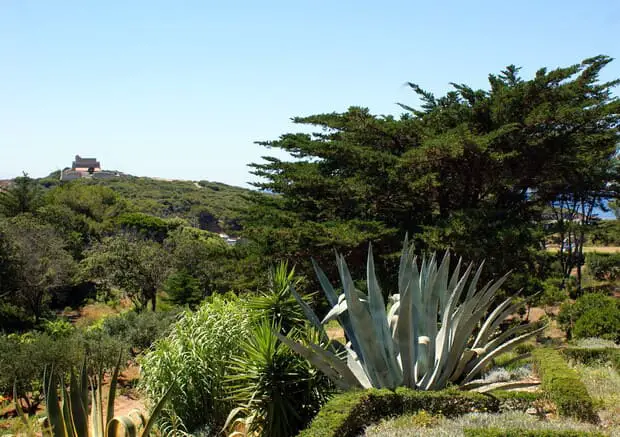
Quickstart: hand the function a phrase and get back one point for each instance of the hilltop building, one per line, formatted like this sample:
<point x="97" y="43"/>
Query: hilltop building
<point x="86" y="168"/>
<point x="89" y="165"/>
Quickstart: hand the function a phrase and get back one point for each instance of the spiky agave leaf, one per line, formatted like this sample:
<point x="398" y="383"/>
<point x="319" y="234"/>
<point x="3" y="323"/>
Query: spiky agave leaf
<point x="431" y="335"/>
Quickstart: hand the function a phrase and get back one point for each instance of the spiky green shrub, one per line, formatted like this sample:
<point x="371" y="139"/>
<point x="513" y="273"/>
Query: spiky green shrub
<point x="277" y="303"/>
<point x="196" y="354"/>
<point x="278" y="391"/>
<point x="441" y="328"/>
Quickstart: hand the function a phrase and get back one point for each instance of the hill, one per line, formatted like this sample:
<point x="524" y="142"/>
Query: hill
<point x="213" y="206"/>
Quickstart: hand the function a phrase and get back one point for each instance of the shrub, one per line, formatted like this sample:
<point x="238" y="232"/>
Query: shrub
<point x="591" y="356"/>
<point x="509" y="422"/>
<point x="347" y="414"/>
<point x="139" y="330"/>
<point x="196" y="354"/>
<point x="563" y="386"/>
<point x="280" y="391"/>
<point x="604" y="266"/>
<point x="603" y="323"/>
<point x="498" y="432"/>
<point x="600" y="313"/>
<point x="24" y="357"/>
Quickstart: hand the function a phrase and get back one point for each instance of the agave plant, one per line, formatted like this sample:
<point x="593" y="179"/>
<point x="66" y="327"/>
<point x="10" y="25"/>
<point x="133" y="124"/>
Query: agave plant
<point x="70" y="417"/>
<point x="440" y="329"/>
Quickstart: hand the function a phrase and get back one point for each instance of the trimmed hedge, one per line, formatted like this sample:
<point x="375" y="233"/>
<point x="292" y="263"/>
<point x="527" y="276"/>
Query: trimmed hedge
<point x="594" y="355"/>
<point x="497" y="432"/>
<point x="347" y="414"/>
<point x="516" y="400"/>
<point x="563" y="386"/>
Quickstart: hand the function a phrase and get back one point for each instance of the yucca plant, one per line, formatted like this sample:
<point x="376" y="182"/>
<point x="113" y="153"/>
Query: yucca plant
<point x="441" y="328"/>
<point x="69" y="417"/>
<point x="277" y="303"/>
<point x="278" y="391"/>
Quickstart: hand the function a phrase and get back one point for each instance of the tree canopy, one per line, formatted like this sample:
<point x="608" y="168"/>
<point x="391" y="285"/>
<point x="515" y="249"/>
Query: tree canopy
<point x="471" y="170"/>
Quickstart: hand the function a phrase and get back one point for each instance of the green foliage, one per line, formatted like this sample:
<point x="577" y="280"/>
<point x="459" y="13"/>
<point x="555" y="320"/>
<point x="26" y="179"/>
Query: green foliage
<point x="23" y="196"/>
<point x="138" y="267"/>
<point x="592" y="315"/>
<point x="603" y="323"/>
<point x="196" y="354"/>
<point x="205" y="256"/>
<point x="347" y="414"/>
<point x="592" y="356"/>
<point x="38" y="261"/>
<point x="70" y="416"/>
<point x="563" y="386"/>
<point x="433" y="335"/>
<point x="14" y="318"/>
<point x="277" y="303"/>
<point x="58" y="328"/>
<point x="183" y="289"/>
<point x="147" y="226"/>
<point x="210" y="205"/>
<point x="552" y="293"/>
<point x="604" y="266"/>
<point x="499" y="432"/>
<point x="607" y="232"/>
<point x="138" y="331"/>
<point x="279" y="391"/>
<point x="23" y="359"/>
<point x="472" y="170"/>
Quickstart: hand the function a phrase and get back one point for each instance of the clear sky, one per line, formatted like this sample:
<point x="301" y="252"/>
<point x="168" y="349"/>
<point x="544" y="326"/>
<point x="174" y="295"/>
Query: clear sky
<point x="182" y="89"/>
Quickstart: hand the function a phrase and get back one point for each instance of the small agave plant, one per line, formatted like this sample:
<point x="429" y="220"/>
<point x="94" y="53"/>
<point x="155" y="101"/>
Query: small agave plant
<point x="440" y="329"/>
<point x="70" y="417"/>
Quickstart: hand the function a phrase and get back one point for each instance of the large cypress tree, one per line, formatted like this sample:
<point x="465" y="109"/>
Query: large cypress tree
<point x="471" y="170"/>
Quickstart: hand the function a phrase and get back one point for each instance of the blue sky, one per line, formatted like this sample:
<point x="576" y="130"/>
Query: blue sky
<point x="182" y="89"/>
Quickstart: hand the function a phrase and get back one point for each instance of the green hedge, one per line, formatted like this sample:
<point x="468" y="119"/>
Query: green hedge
<point x="594" y="355"/>
<point x="516" y="400"/>
<point x="497" y="432"/>
<point x="563" y="386"/>
<point x="347" y="414"/>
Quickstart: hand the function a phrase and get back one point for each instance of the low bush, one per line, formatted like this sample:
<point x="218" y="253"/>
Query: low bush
<point x="347" y="414"/>
<point x="604" y="266"/>
<point x="592" y="356"/>
<point x="498" y="432"/>
<point x="139" y="330"/>
<point x="604" y="323"/>
<point x="563" y="386"/>
<point x="591" y="315"/>
<point x="511" y="423"/>
<point x="516" y="400"/>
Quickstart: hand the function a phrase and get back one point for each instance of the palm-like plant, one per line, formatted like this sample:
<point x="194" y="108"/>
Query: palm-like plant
<point x="277" y="303"/>
<point x="440" y="329"/>
<point x="278" y="391"/>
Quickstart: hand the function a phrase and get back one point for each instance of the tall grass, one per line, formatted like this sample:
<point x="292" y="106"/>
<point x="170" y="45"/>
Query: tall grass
<point x="195" y="355"/>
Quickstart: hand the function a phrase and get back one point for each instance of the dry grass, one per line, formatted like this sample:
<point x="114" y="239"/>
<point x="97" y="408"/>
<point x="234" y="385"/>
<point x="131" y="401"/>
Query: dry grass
<point x="412" y="425"/>
<point x="589" y="249"/>
<point x="91" y="313"/>
<point x="603" y="384"/>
